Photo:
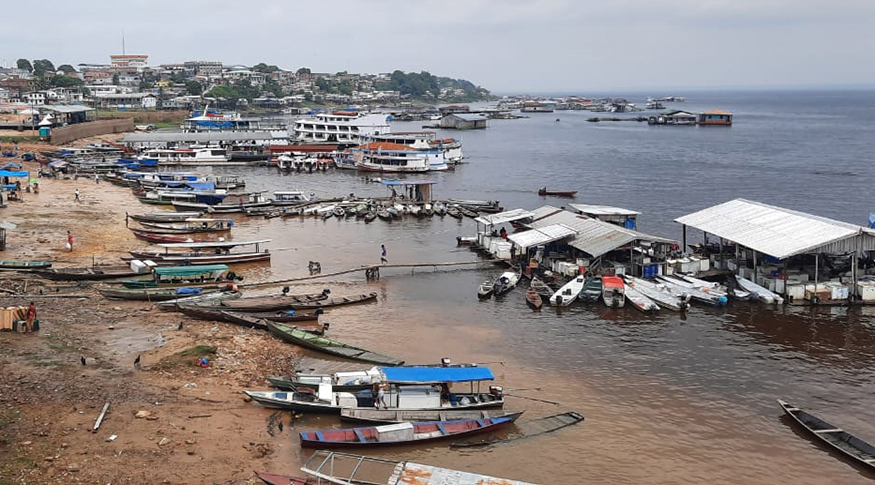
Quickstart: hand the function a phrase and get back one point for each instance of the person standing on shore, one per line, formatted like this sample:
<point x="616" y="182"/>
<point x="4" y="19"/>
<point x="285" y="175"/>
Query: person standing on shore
<point x="76" y="195"/>
<point x="69" y="241"/>
<point x="96" y="179"/>
<point x="31" y="316"/>
<point x="383" y="254"/>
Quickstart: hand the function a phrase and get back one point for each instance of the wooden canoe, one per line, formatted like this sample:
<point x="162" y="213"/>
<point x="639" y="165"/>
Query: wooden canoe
<point x="24" y="265"/>
<point x="148" y="294"/>
<point x="175" y="305"/>
<point x="161" y="238"/>
<point x="390" y="416"/>
<point x="528" y="429"/>
<point x="404" y="433"/>
<point x="557" y="193"/>
<point x="271" y="479"/>
<point x="165" y="217"/>
<point x="254" y="304"/>
<point x="297" y="336"/>
<point x="534" y="299"/>
<point x="336" y="301"/>
<point x="306" y="322"/>
<point x="94" y="273"/>
<point x="840" y="440"/>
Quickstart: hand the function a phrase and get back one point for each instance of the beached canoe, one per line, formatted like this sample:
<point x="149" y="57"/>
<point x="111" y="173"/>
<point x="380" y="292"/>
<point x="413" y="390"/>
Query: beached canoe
<point x="390" y="416"/>
<point x="160" y="217"/>
<point x="94" y="273"/>
<point x="273" y="303"/>
<point x="271" y="479"/>
<point x="175" y="305"/>
<point x="24" y="265"/>
<point x="336" y="301"/>
<point x="402" y="433"/>
<point x="154" y="294"/>
<point x="160" y="238"/>
<point x="527" y="429"/>
<point x="840" y="440"/>
<point x="306" y="322"/>
<point x="297" y="336"/>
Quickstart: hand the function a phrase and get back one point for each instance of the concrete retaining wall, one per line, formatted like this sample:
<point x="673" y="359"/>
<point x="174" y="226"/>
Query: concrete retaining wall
<point x="66" y="134"/>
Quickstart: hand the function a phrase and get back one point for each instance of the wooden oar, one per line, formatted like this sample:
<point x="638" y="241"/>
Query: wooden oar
<point x="535" y="399"/>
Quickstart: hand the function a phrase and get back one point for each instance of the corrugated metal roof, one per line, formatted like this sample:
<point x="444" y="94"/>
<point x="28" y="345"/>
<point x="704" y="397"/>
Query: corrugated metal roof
<point x="544" y="211"/>
<point x="468" y="116"/>
<point x="505" y="217"/>
<point x="596" y="237"/>
<point x="603" y="210"/>
<point x="202" y="137"/>
<point x="66" y="108"/>
<point x="774" y="231"/>
<point x="541" y="235"/>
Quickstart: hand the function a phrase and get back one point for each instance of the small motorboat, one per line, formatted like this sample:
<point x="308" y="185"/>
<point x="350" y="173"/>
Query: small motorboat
<point x="402" y="433"/>
<point x="485" y="289"/>
<point x="556" y="193"/>
<point x="568" y="293"/>
<point x="640" y="300"/>
<point x="613" y="291"/>
<point x="534" y="299"/>
<point x="506" y="282"/>
<point x="592" y="290"/>
<point x="370" y="216"/>
<point x="454" y="212"/>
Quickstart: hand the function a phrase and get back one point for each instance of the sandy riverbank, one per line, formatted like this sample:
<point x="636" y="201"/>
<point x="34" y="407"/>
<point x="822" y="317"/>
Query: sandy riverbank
<point x="199" y="429"/>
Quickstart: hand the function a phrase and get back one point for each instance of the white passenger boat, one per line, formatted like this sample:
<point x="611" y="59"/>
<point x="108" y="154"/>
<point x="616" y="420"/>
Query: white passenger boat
<point x="568" y="293"/>
<point x="639" y="300"/>
<point x="659" y="293"/>
<point x="340" y="127"/>
<point x="184" y="156"/>
<point x="758" y="292"/>
<point x="695" y="293"/>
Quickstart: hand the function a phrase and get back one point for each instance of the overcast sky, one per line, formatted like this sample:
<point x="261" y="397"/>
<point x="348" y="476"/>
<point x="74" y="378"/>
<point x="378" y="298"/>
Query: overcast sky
<point x="506" y="46"/>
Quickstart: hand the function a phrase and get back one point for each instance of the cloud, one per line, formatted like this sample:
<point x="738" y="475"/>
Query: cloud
<point x="511" y="45"/>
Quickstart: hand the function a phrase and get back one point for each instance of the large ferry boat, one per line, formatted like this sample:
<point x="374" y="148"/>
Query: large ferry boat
<point x="340" y="127"/>
<point x="425" y="140"/>
<point x="392" y="157"/>
<point x="187" y="155"/>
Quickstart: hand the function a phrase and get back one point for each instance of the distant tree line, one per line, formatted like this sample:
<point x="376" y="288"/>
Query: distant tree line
<point x="44" y="73"/>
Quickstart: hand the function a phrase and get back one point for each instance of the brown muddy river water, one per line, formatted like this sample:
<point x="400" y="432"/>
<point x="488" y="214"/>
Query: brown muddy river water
<point x="668" y="399"/>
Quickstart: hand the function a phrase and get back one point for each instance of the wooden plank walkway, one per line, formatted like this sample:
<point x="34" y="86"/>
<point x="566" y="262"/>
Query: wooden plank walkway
<point x="369" y="267"/>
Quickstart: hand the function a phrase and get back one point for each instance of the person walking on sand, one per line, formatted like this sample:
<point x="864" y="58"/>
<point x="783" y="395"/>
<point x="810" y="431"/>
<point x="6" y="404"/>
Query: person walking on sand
<point x="96" y="179"/>
<point x="31" y="316"/>
<point x="126" y="218"/>
<point x="383" y="254"/>
<point x="69" y="241"/>
<point x="76" y="195"/>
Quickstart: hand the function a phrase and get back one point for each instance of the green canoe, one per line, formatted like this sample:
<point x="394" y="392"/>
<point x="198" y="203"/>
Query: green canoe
<point x="296" y="336"/>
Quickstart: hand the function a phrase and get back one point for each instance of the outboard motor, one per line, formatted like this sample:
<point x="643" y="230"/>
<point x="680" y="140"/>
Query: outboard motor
<point x="496" y="391"/>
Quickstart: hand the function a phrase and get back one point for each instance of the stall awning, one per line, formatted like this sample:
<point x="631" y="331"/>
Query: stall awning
<point x="542" y="235"/>
<point x="7" y="173"/>
<point x="436" y="375"/>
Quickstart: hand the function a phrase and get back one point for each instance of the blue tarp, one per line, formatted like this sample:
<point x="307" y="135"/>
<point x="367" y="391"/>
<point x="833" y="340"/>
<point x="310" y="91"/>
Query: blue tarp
<point x="201" y="185"/>
<point x="7" y="173"/>
<point x="188" y="291"/>
<point x="432" y="375"/>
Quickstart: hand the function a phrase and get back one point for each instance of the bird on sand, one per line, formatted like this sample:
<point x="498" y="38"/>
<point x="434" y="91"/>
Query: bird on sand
<point x="180" y="326"/>
<point x="82" y="359"/>
<point x="137" y="362"/>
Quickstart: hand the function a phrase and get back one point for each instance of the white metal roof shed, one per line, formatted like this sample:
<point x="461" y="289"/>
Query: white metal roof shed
<point x="596" y="237"/>
<point x="201" y="137"/>
<point x="504" y="217"/>
<point x="775" y="231"/>
<point x="542" y="235"/>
